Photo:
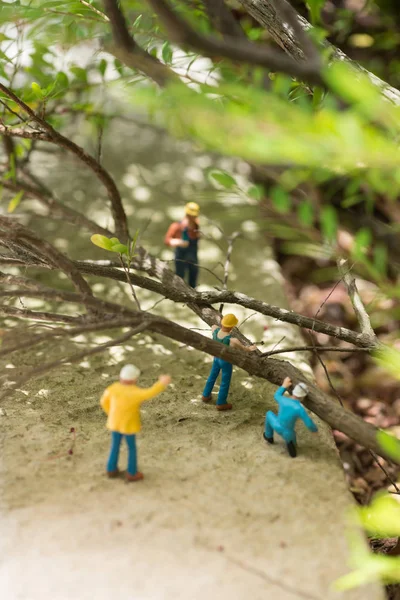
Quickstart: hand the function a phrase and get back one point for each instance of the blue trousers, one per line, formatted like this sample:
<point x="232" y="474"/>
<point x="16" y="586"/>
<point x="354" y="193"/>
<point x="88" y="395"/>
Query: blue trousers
<point x="272" y="424"/>
<point x="226" y="368"/>
<point x="182" y="266"/>
<point x="116" y="439"/>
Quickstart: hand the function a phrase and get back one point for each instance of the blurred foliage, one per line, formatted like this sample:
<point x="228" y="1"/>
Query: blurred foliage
<point x="381" y="519"/>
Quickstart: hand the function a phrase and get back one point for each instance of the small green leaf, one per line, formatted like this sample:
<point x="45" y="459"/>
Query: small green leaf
<point x="389" y="443"/>
<point x="103" y="67"/>
<point x="361" y="241"/>
<point x="120" y="248"/>
<point x="382" y="516"/>
<point x="114" y="240"/>
<point x="389" y="359"/>
<point x="167" y="53"/>
<point x="381" y="258"/>
<point x="305" y="212"/>
<point x="37" y="90"/>
<point x="329" y="222"/>
<point x="315" y="7"/>
<point x="222" y="177"/>
<point x="256" y="192"/>
<point x="101" y="241"/>
<point x="15" y="202"/>
<point x="79" y="73"/>
<point x="137" y="21"/>
<point x="280" y="199"/>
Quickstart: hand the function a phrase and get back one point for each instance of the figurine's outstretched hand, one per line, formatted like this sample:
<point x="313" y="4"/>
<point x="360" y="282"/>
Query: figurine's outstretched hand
<point x="287" y="382"/>
<point x="164" y="379"/>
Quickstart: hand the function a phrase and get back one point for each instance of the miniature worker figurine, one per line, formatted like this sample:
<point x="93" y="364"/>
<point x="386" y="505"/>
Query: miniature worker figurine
<point x="184" y="236"/>
<point x="121" y="402"/>
<point x="290" y="410"/>
<point x="223" y="334"/>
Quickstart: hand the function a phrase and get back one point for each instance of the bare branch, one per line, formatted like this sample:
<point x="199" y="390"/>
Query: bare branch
<point x="235" y="49"/>
<point x="41" y="369"/>
<point x="56" y="207"/>
<point x="223" y="19"/>
<point x="358" y="306"/>
<point x="34" y="315"/>
<point x="231" y="241"/>
<point x="57" y="332"/>
<point x="49" y="134"/>
<point x="12" y="230"/>
<point x="265" y="13"/>
<point x="128" y="52"/>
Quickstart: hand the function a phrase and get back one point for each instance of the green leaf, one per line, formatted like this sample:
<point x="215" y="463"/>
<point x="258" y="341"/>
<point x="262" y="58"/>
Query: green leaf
<point x="103" y="67"/>
<point x="15" y="202"/>
<point x="37" y="90"/>
<point x="382" y="516"/>
<point x="362" y="240"/>
<point x="120" y="248"/>
<point x="167" y="53"/>
<point x="329" y="222"/>
<point x="280" y="199"/>
<point x="381" y="258"/>
<point x="256" y="192"/>
<point x="389" y="359"/>
<point x="390" y="444"/>
<point x="315" y="7"/>
<point x="79" y="73"/>
<point x="221" y="177"/>
<point x="101" y="241"/>
<point x="137" y="21"/>
<point x="305" y="213"/>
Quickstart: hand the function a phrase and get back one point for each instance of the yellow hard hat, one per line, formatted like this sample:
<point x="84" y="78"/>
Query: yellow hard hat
<point x="192" y="209"/>
<point x="229" y="321"/>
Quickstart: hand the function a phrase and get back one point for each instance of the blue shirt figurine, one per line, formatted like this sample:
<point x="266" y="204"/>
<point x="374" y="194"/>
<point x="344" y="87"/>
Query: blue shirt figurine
<point x="290" y="410"/>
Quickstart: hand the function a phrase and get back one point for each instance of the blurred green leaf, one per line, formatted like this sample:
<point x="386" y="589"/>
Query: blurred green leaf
<point x="15" y="202"/>
<point x="102" y="241"/>
<point x="390" y="444"/>
<point x="256" y="192"/>
<point x="329" y="222"/>
<point x="103" y="67"/>
<point x="280" y="199"/>
<point x="166" y="53"/>
<point x="37" y="90"/>
<point x="305" y="212"/>
<point x="221" y="177"/>
<point x="389" y="359"/>
<point x="382" y="517"/>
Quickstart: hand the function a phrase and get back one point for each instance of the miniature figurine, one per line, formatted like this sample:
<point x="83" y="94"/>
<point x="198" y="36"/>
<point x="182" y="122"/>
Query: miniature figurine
<point x="121" y="402"/>
<point x="184" y="236"/>
<point x="290" y="410"/>
<point x="223" y="334"/>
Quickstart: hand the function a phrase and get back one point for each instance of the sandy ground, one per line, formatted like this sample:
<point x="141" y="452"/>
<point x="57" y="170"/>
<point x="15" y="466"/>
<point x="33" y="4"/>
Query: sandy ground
<point x="220" y="514"/>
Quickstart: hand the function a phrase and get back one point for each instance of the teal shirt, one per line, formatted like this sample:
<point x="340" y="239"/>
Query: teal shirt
<point x="291" y="410"/>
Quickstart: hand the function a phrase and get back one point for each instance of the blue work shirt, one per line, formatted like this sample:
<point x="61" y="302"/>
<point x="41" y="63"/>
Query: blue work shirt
<point x="290" y="411"/>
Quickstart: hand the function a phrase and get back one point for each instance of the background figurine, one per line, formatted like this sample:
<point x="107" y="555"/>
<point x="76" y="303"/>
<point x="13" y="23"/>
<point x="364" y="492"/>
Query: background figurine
<point x="184" y="236"/>
<point x="121" y="402"/>
<point x="290" y="410"/>
<point x="223" y="334"/>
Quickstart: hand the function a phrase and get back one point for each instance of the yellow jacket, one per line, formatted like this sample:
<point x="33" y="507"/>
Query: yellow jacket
<point x="121" y="402"/>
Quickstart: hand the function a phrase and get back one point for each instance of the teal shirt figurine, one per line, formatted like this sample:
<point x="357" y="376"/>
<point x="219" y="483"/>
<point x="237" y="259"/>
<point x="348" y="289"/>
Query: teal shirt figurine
<point x="289" y="412"/>
<point x="223" y="335"/>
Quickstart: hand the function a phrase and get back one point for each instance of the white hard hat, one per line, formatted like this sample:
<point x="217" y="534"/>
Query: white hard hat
<point x="300" y="390"/>
<point x="129" y="373"/>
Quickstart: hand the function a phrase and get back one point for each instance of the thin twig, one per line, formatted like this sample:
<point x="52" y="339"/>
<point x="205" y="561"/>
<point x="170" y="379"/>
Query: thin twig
<point x="128" y="278"/>
<point x="41" y="369"/>
<point x="231" y="241"/>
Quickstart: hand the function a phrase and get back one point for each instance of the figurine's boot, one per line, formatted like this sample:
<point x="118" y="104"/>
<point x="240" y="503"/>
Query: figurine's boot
<point x="270" y="440"/>
<point x="206" y="398"/>
<point x="136" y="477"/>
<point x="113" y="474"/>
<point x="291" y="448"/>
<point x="225" y="406"/>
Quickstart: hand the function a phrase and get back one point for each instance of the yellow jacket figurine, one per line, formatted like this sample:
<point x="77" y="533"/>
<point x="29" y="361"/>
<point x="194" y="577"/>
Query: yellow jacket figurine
<point x="121" y="401"/>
